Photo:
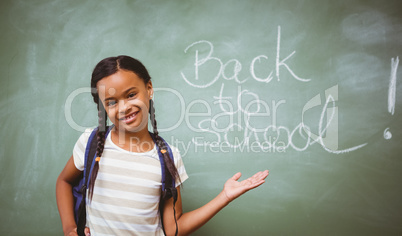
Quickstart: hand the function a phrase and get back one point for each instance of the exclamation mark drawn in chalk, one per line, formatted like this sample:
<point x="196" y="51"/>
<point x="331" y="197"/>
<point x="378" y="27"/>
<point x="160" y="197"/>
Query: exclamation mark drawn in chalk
<point x="391" y="93"/>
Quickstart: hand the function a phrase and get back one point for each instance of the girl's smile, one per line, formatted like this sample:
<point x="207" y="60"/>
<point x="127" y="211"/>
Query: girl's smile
<point x="129" y="118"/>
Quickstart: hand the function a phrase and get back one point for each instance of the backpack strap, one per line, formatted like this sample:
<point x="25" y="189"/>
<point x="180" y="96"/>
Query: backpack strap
<point x="90" y="153"/>
<point x="167" y="179"/>
<point x="168" y="183"/>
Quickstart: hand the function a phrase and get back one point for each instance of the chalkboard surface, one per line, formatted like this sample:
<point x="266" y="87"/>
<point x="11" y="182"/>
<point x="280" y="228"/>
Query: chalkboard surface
<point x="310" y="90"/>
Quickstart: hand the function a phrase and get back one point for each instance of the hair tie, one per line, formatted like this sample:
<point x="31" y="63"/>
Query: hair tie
<point x="163" y="151"/>
<point x="97" y="159"/>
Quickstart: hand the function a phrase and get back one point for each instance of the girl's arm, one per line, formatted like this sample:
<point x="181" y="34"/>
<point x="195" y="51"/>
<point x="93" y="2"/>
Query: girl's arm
<point x="191" y="221"/>
<point x="64" y="197"/>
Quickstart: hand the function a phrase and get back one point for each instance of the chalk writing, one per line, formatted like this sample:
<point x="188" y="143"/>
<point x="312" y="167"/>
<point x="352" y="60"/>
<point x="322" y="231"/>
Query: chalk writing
<point x="392" y="85"/>
<point x="391" y="93"/>
<point x="232" y="125"/>
<point x="263" y="138"/>
<point x="200" y="81"/>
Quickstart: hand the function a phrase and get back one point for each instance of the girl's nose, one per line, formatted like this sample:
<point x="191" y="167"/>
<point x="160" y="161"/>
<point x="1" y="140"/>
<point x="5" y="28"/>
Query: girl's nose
<point x="124" y="107"/>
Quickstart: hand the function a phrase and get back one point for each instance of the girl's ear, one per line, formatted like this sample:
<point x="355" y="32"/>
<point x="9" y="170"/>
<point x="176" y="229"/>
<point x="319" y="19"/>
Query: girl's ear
<point x="150" y="90"/>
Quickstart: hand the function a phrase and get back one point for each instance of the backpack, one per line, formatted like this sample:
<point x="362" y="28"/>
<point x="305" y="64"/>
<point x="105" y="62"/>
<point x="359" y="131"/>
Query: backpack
<point x="80" y="189"/>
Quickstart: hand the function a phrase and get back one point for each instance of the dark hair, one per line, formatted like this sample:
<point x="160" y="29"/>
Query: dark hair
<point x="107" y="67"/>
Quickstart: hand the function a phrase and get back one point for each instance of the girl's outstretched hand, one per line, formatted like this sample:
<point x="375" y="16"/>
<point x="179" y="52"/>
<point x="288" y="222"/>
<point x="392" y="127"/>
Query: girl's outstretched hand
<point x="233" y="188"/>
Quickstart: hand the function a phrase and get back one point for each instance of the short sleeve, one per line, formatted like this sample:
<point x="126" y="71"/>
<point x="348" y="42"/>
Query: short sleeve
<point x="178" y="161"/>
<point x="79" y="149"/>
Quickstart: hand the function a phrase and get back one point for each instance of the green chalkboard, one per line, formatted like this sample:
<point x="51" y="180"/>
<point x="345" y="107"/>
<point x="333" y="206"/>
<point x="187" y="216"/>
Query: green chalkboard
<point x="310" y="90"/>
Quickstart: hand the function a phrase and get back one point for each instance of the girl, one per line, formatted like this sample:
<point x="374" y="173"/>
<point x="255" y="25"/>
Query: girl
<point x="125" y="185"/>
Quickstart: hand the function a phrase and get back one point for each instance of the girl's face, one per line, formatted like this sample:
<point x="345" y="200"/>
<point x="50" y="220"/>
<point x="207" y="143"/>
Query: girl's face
<point x="126" y="97"/>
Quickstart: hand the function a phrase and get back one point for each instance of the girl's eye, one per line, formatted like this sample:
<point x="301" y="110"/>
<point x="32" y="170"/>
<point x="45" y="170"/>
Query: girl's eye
<point x="131" y="95"/>
<point x="110" y="103"/>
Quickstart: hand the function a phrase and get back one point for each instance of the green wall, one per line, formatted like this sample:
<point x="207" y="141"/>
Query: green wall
<point x="310" y="90"/>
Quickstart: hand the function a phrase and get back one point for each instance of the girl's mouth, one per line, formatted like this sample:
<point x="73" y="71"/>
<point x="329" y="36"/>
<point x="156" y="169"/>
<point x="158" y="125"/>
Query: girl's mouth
<point x="129" y="118"/>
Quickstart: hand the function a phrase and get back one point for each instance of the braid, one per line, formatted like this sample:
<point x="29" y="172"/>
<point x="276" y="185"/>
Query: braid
<point x="152" y="117"/>
<point x="101" y="138"/>
<point x="166" y="157"/>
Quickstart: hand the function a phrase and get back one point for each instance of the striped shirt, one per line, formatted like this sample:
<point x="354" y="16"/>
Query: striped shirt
<point x="127" y="189"/>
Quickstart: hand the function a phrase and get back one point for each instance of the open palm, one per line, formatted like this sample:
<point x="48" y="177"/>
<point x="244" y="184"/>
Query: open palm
<point x="233" y="188"/>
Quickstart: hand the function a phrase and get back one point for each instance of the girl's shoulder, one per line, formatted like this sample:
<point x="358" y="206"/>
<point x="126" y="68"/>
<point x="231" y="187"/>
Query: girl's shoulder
<point x="82" y="141"/>
<point x="79" y="148"/>
<point x="85" y="135"/>
<point x="88" y="131"/>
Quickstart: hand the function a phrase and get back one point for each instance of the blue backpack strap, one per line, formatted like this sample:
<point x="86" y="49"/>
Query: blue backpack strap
<point x="90" y="154"/>
<point x="167" y="191"/>
<point x="162" y="161"/>
<point x="92" y="145"/>
<point x="87" y="151"/>
<point x="80" y="195"/>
